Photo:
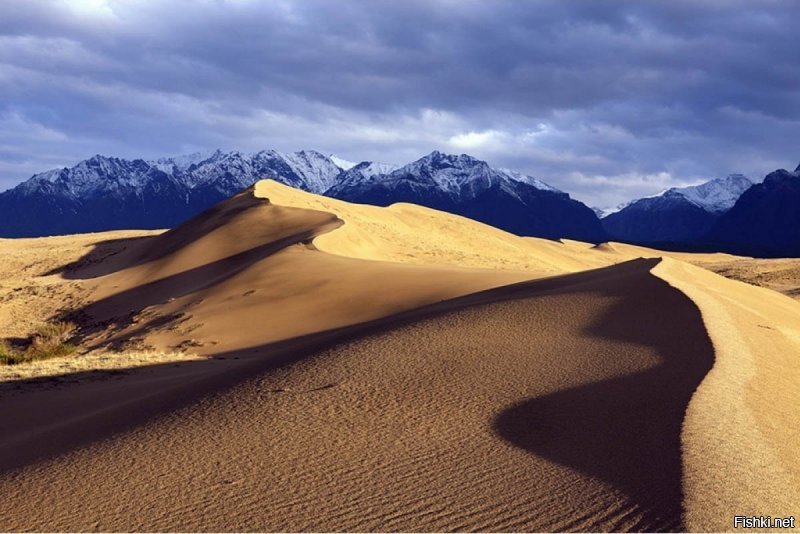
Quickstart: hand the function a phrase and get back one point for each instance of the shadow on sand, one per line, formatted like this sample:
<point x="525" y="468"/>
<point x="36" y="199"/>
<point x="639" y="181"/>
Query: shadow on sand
<point x="624" y="430"/>
<point x="95" y="263"/>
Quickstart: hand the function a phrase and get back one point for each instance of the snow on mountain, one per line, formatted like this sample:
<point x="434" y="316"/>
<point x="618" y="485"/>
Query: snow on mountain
<point x="765" y="220"/>
<point x="317" y="170"/>
<point x="38" y="180"/>
<point x="469" y="187"/>
<point x="227" y="172"/>
<point x="343" y="164"/>
<point x="519" y="177"/>
<point x="182" y="163"/>
<point x="361" y="172"/>
<point x="96" y="175"/>
<point x="716" y="196"/>
<point x="605" y="212"/>
<point x="677" y="215"/>
<point x="105" y="193"/>
<point x="453" y="175"/>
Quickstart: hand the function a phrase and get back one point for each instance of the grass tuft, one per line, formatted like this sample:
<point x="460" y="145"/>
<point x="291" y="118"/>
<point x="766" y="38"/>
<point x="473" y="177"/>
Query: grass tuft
<point x="49" y="341"/>
<point x="7" y="355"/>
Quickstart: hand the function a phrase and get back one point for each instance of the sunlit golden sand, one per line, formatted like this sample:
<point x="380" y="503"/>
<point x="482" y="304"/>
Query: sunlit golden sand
<point x="317" y="365"/>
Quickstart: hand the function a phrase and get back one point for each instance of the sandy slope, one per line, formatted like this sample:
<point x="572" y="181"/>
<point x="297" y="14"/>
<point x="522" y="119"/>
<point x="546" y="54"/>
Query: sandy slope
<point x="554" y="404"/>
<point x="470" y="403"/>
<point x="32" y="289"/>
<point x="31" y="286"/>
<point x="779" y="274"/>
<point x="408" y="233"/>
<point x="109" y="276"/>
<point x="245" y="274"/>
<point x="741" y="434"/>
<point x="414" y="234"/>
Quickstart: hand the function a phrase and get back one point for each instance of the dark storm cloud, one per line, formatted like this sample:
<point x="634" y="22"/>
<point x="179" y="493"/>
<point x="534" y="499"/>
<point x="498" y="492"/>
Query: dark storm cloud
<point x="607" y="100"/>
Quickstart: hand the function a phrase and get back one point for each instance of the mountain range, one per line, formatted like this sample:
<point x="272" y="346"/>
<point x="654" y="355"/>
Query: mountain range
<point x="730" y="214"/>
<point x="470" y="187"/>
<point x="106" y="193"/>
<point x="765" y="221"/>
<point x="677" y="215"/>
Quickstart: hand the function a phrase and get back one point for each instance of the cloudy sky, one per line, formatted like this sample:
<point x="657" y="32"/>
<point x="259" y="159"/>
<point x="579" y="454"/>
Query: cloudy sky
<point x="605" y="100"/>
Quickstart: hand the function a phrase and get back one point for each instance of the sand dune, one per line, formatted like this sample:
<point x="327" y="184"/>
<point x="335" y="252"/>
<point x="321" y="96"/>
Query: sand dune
<point x="740" y="436"/>
<point x="31" y="286"/>
<point x="407" y="233"/>
<point x="537" y="407"/>
<point x="399" y="369"/>
<point x="246" y="274"/>
<point x="34" y="290"/>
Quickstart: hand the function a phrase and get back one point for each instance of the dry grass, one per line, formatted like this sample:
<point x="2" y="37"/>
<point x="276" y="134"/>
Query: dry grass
<point x="51" y="340"/>
<point x="89" y="366"/>
<point x="7" y="354"/>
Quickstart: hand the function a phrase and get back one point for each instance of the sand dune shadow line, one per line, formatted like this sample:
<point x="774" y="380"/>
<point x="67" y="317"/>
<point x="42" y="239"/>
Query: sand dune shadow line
<point x="625" y="430"/>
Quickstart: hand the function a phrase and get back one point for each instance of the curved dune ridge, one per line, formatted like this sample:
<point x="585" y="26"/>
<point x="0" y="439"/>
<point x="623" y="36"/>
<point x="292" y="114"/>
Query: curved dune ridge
<point x="528" y="407"/>
<point x="405" y="369"/>
<point x="407" y="233"/>
<point x="245" y="273"/>
<point x="741" y="434"/>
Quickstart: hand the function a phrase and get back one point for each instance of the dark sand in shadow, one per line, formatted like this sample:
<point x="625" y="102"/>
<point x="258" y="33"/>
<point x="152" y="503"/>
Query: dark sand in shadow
<point x="546" y="405"/>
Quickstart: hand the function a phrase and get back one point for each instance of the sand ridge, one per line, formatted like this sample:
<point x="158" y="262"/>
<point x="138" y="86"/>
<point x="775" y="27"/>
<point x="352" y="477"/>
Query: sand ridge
<point x="216" y="283"/>
<point x="408" y="233"/>
<point x="740" y="437"/>
<point x="533" y="406"/>
<point x="51" y="274"/>
<point x="427" y="306"/>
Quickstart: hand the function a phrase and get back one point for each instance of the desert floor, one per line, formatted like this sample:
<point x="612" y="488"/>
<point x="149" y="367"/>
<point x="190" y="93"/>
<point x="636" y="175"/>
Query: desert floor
<point x="291" y="362"/>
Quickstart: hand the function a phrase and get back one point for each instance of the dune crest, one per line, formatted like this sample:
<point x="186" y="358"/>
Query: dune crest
<point x="605" y="247"/>
<point x="245" y="273"/>
<point x="740" y="451"/>
<point x="407" y="233"/>
<point x="529" y="407"/>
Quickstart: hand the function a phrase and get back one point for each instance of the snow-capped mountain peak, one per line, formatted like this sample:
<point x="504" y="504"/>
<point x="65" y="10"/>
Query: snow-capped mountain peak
<point x="468" y="186"/>
<point x="104" y="193"/>
<point x="317" y="169"/>
<point x="97" y="174"/>
<point x="225" y="172"/>
<point x="182" y="163"/>
<point x="715" y="196"/>
<point x="361" y="172"/>
<point x="677" y="215"/>
<point x="605" y="212"/>
<point x="530" y="180"/>
<point x="450" y="172"/>
<point x="464" y="174"/>
<point x="342" y="163"/>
